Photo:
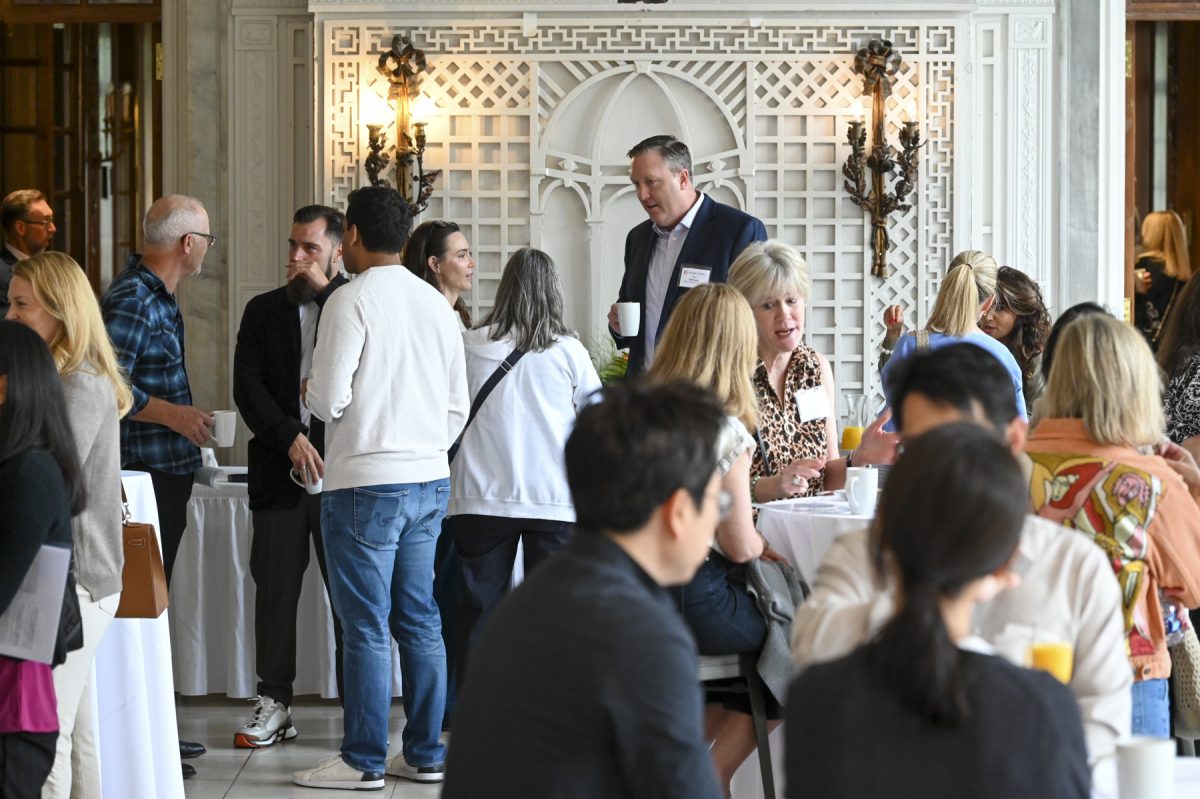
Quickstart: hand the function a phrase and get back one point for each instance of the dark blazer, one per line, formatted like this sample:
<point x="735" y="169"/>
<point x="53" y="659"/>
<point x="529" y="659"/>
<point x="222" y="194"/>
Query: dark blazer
<point x="7" y="260"/>
<point x="717" y="237"/>
<point x="266" y="389"/>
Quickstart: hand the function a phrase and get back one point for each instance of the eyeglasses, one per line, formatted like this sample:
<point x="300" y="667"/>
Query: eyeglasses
<point x="212" y="240"/>
<point x="46" y="222"/>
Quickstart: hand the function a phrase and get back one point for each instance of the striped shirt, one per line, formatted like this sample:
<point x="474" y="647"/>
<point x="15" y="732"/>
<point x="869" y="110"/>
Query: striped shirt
<point x="146" y="328"/>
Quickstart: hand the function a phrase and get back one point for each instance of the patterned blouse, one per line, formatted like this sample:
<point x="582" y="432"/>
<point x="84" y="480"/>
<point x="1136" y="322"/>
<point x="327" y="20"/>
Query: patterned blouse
<point x="784" y="437"/>
<point x="1181" y="402"/>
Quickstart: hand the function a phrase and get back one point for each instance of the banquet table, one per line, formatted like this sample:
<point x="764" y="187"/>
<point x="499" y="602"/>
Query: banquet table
<point x="212" y="604"/>
<point x="803" y="529"/>
<point x="134" y="696"/>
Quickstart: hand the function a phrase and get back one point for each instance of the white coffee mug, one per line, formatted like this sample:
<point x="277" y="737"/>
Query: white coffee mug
<point x="862" y="489"/>
<point x="1145" y="767"/>
<point x="312" y="488"/>
<point x="629" y="317"/>
<point x="224" y="427"/>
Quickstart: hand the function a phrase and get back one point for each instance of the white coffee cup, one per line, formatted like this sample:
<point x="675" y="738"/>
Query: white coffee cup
<point x="629" y="317"/>
<point x="862" y="489"/>
<point x="1145" y="767"/>
<point x="224" y="427"/>
<point x="312" y="488"/>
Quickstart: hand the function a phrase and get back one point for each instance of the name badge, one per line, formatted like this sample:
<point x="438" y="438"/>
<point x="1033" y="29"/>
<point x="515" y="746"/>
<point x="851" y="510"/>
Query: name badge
<point x="692" y="276"/>
<point x="812" y="403"/>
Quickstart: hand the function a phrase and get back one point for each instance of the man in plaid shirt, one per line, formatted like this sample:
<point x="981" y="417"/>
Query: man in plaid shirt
<point x="163" y="431"/>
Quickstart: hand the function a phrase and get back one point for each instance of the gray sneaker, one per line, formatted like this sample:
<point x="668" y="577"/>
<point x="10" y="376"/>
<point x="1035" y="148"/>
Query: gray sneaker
<point x="271" y="722"/>
<point x="398" y="767"/>
<point x="333" y="772"/>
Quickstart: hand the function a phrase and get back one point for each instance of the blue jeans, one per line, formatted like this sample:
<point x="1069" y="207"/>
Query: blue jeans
<point x="379" y="547"/>
<point x="1152" y="708"/>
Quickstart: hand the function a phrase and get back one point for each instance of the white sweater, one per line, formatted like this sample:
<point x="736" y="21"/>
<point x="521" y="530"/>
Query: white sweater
<point x="511" y="460"/>
<point x="388" y="380"/>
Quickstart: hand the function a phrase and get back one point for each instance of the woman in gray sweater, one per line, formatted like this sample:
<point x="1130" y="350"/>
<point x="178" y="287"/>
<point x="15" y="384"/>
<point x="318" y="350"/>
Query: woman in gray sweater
<point x="50" y="294"/>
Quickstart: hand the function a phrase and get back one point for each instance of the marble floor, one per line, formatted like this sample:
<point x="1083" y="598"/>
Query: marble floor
<point x="229" y="773"/>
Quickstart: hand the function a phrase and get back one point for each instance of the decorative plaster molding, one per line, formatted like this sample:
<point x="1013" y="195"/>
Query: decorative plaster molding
<point x="244" y="6"/>
<point x="255" y="33"/>
<point x="529" y="113"/>
<point x="1029" y="32"/>
<point x="445" y="7"/>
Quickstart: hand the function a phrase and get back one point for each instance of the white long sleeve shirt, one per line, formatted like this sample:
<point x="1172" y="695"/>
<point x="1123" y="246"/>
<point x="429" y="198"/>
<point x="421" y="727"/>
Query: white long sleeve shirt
<point x="511" y="460"/>
<point x="388" y="380"/>
<point x="1067" y="589"/>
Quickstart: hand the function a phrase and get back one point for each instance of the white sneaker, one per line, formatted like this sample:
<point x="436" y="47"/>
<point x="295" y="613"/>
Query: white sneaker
<point x="272" y="721"/>
<point x="333" y="772"/>
<point x="398" y="767"/>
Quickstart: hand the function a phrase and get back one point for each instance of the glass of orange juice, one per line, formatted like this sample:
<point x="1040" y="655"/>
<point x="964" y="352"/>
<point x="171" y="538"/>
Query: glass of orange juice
<point x="1055" y="657"/>
<point x="856" y="420"/>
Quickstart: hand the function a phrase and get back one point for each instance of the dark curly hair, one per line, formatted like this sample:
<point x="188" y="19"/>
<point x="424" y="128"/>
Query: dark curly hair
<point x="1018" y="293"/>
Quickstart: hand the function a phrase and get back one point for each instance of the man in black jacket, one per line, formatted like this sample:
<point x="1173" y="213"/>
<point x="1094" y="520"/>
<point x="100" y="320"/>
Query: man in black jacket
<point x="274" y="352"/>
<point x="585" y="682"/>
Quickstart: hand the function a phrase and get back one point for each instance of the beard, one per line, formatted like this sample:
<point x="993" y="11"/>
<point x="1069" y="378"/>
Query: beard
<point x="300" y="291"/>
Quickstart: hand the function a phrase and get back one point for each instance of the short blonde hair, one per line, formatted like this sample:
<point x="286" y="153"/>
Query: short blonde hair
<point x="711" y="341"/>
<point x="82" y="342"/>
<point x="1163" y="237"/>
<point x="770" y="269"/>
<point x="1104" y="373"/>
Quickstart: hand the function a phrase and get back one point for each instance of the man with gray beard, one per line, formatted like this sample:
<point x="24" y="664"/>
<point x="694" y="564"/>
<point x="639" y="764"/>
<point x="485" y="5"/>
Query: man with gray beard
<point x="274" y="351"/>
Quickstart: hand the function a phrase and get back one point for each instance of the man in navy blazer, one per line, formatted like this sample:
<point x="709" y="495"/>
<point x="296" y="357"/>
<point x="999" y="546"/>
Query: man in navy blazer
<point x="274" y="350"/>
<point x="690" y="239"/>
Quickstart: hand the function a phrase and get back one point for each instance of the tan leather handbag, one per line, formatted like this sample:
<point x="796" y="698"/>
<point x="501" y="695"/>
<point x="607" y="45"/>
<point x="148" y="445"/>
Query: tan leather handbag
<point x="143" y="580"/>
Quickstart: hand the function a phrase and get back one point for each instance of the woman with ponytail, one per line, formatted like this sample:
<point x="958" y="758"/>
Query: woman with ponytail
<point x="967" y="294"/>
<point x="938" y="717"/>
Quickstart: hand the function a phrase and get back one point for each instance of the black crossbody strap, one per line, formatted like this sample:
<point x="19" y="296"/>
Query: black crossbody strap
<point x="504" y="368"/>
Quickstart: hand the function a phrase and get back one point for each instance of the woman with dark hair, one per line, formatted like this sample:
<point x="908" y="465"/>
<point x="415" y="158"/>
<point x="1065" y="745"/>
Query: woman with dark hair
<point x="1179" y="359"/>
<point x="1019" y="320"/>
<point x="40" y="490"/>
<point x="1065" y="318"/>
<point x="439" y="253"/>
<point x="507" y="482"/>
<point x="938" y="717"/>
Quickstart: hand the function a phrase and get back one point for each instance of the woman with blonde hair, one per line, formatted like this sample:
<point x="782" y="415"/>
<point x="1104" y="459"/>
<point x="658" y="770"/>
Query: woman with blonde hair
<point x="50" y="294"/>
<point x="1162" y="270"/>
<point x="797" y="443"/>
<point x="1095" y="468"/>
<point x="967" y="294"/>
<point x="710" y="341"/>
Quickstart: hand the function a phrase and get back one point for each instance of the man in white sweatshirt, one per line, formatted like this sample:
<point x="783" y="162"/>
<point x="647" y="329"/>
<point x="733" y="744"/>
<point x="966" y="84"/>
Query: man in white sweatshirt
<point x="389" y="381"/>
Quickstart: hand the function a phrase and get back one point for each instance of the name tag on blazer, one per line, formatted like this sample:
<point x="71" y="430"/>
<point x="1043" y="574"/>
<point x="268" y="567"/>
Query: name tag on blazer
<point x="692" y="275"/>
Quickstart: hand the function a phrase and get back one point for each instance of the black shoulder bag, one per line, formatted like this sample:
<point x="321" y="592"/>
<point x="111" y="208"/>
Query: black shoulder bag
<point x="504" y="368"/>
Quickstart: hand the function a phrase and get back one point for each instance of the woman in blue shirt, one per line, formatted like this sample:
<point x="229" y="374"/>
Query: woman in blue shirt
<point x="967" y="293"/>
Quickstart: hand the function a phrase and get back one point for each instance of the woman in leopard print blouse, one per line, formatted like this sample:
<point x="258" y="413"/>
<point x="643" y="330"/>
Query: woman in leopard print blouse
<point x="797" y="453"/>
<point x="1179" y="357"/>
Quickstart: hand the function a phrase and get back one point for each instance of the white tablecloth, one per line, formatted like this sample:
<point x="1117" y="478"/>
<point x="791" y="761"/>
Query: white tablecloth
<point x="135" y="694"/>
<point x="802" y="530"/>
<point x="212" y="605"/>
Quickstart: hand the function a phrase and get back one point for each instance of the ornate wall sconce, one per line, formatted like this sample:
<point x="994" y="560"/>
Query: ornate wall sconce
<point x="878" y="63"/>
<point x="402" y="65"/>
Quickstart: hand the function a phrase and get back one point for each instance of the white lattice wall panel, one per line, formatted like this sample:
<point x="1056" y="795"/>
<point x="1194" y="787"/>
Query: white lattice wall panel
<point x="535" y="120"/>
